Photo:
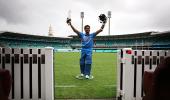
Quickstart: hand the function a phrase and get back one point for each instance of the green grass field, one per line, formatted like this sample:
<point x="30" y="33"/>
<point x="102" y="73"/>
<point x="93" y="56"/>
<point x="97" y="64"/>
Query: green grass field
<point x="103" y="69"/>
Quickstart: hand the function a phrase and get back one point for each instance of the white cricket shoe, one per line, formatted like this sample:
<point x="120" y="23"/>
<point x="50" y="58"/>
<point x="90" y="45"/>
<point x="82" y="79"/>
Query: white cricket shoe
<point x="80" y="76"/>
<point x="87" y="77"/>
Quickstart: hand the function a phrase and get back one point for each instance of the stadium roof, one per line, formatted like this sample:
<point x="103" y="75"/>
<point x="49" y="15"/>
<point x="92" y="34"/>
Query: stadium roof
<point x="20" y="35"/>
<point x="107" y="37"/>
<point x="135" y="35"/>
<point x="160" y="33"/>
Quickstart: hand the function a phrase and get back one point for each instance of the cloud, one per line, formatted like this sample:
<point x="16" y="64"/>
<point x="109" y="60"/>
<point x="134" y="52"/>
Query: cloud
<point x="12" y="11"/>
<point x="128" y="16"/>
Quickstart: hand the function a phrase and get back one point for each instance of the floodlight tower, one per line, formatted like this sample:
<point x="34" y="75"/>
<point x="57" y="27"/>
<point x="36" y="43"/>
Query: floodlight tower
<point x="109" y="16"/>
<point x="82" y="16"/>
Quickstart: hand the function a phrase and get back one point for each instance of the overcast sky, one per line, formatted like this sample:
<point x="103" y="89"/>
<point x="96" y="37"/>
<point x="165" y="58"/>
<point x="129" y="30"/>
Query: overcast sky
<point x="128" y="16"/>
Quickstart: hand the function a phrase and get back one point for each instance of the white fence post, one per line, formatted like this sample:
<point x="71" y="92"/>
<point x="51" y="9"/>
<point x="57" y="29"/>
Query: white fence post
<point x="42" y="60"/>
<point x="26" y="74"/>
<point x="49" y="74"/>
<point x="34" y="74"/>
<point x="17" y="74"/>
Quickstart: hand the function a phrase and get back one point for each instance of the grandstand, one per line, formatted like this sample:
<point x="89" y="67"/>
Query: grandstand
<point x="146" y="40"/>
<point x="11" y="39"/>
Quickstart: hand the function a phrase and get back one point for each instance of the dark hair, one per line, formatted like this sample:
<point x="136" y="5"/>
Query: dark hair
<point x="86" y="26"/>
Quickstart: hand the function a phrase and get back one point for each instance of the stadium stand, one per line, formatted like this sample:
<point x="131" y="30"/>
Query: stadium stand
<point x="10" y="39"/>
<point x="146" y="40"/>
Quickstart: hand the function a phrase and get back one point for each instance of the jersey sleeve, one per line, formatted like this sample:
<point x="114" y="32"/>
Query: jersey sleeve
<point x="93" y="35"/>
<point x="81" y="35"/>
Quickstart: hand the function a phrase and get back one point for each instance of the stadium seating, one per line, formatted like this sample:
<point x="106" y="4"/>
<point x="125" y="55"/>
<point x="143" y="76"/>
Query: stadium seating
<point x="30" y="41"/>
<point x="138" y="40"/>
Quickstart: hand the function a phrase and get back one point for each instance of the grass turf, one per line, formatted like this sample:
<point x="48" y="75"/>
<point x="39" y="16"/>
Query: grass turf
<point x="103" y="69"/>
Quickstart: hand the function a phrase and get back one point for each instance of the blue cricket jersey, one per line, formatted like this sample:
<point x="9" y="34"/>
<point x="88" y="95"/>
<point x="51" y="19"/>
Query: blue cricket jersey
<point x="87" y="41"/>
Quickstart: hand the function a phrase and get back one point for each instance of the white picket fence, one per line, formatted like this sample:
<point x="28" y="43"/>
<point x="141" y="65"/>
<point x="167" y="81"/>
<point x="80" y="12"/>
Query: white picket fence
<point x="32" y="72"/>
<point x="131" y="67"/>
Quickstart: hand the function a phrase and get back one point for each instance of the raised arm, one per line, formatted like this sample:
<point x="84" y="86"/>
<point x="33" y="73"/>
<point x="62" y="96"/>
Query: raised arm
<point x="103" y="19"/>
<point x="101" y="29"/>
<point x="72" y="27"/>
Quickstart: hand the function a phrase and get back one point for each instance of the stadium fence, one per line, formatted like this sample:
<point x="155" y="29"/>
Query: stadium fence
<point x="131" y="67"/>
<point x="31" y="71"/>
